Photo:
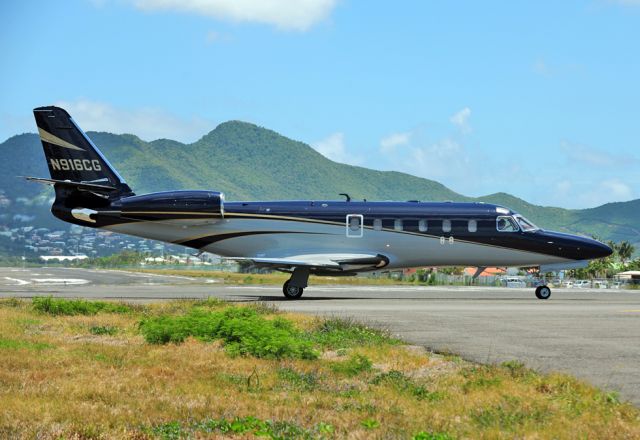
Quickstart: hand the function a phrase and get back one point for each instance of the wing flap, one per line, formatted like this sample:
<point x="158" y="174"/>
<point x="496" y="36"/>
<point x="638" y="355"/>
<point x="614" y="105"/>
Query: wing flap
<point x="337" y="262"/>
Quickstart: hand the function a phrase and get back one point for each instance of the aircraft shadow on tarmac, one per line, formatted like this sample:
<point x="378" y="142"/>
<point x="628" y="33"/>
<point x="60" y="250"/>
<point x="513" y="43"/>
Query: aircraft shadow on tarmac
<point x="383" y="298"/>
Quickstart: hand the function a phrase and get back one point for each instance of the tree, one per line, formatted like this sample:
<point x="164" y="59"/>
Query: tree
<point x="625" y="251"/>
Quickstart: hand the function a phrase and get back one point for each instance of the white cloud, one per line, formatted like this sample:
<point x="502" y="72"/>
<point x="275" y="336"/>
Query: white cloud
<point x="389" y="143"/>
<point x="147" y="123"/>
<point x="298" y="15"/>
<point x="461" y="119"/>
<point x="333" y="148"/>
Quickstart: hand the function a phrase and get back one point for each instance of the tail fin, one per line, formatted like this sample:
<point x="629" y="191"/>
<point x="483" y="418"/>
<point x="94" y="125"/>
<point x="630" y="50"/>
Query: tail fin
<point x="70" y="154"/>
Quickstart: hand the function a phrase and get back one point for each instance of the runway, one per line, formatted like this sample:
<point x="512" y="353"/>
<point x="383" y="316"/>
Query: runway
<point x="592" y="334"/>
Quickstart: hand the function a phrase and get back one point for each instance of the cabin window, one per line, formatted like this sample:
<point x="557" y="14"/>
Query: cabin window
<point x="377" y="224"/>
<point x="397" y="225"/>
<point x="423" y="226"/>
<point x="506" y="224"/>
<point x="446" y="225"/>
<point x="472" y="226"/>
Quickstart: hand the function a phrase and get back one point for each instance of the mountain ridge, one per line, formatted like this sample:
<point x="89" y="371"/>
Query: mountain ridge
<point x="249" y="162"/>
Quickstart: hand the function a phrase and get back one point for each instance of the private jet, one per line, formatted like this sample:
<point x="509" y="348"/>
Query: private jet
<point x="303" y="237"/>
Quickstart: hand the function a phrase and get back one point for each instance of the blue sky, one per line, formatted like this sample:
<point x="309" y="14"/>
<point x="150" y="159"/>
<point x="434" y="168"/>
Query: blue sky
<point x="538" y="99"/>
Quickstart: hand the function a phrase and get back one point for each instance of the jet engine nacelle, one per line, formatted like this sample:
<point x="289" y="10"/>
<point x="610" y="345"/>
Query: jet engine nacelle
<point x="173" y="202"/>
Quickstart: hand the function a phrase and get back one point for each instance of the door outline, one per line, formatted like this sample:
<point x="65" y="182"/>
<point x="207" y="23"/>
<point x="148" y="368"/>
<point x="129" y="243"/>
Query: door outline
<point x="353" y="233"/>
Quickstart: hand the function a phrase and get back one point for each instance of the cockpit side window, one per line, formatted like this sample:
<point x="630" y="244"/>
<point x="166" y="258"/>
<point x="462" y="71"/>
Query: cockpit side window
<point x="525" y="224"/>
<point x="506" y="224"/>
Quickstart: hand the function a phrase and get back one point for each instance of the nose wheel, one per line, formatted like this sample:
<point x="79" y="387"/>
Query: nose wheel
<point x="543" y="292"/>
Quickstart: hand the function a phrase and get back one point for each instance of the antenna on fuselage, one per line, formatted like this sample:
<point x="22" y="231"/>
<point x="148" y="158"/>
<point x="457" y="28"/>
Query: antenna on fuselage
<point x="346" y="195"/>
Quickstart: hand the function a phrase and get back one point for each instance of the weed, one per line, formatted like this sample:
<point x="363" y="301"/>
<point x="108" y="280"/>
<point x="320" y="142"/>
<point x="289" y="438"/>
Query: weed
<point x="401" y="382"/>
<point x="370" y="424"/>
<point x="353" y="366"/>
<point x="298" y="379"/>
<point x="516" y="369"/>
<point x="480" y="377"/>
<point x="60" y="306"/>
<point x="100" y="330"/>
<point x="346" y="333"/>
<point x="243" y="331"/>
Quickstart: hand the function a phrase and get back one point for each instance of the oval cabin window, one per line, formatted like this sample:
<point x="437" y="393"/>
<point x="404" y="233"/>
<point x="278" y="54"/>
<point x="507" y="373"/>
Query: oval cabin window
<point x="377" y="224"/>
<point x="473" y="226"/>
<point x="423" y="226"/>
<point x="446" y="225"/>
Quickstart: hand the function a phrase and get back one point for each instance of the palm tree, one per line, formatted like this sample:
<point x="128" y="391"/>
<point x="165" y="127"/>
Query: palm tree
<point x="625" y="250"/>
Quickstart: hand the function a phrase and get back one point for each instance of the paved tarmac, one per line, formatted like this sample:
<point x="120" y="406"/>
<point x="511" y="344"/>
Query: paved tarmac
<point x="592" y="334"/>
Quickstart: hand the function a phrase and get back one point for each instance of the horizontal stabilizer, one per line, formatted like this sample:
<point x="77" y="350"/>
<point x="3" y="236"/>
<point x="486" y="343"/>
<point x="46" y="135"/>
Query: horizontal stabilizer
<point x="83" y="186"/>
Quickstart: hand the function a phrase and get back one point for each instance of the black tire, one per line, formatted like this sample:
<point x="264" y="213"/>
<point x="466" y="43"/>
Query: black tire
<point x="543" y="292"/>
<point x="292" y="292"/>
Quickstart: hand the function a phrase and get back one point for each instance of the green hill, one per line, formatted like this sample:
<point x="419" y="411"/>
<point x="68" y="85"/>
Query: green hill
<point x="247" y="162"/>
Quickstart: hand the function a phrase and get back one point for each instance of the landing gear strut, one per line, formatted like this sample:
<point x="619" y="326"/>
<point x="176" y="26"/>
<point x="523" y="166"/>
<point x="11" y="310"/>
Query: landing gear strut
<point x="543" y="292"/>
<point x="294" y="287"/>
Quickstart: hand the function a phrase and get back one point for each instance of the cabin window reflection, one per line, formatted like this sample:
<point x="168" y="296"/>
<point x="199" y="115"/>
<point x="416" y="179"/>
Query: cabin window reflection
<point x="423" y="226"/>
<point x="472" y="226"/>
<point x="377" y="224"/>
<point x="397" y="225"/>
<point x="446" y="225"/>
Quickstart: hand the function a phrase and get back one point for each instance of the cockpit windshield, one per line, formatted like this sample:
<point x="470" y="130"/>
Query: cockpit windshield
<point x="525" y="224"/>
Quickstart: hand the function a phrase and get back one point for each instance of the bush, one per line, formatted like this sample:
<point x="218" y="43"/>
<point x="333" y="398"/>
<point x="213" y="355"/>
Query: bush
<point x="242" y="329"/>
<point x="103" y="330"/>
<point x="60" y="306"/>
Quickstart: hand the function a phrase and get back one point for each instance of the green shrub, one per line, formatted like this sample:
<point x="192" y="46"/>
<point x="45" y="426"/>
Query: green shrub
<point x="103" y="330"/>
<point x="242" y="329"/>
<point x="60" y="306"/>
<point x="353" y="366"/>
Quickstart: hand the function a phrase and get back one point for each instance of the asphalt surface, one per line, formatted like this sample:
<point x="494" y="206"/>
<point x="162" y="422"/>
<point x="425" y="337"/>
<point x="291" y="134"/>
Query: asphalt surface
<point x="592" y="334"/>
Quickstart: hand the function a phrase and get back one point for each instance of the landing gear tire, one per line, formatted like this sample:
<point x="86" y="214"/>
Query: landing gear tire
<point x="292" y="292"/>
<point x="543" y="292"/>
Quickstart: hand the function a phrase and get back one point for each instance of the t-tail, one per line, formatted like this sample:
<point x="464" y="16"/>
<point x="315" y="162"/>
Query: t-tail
<point x="80" y="174"/>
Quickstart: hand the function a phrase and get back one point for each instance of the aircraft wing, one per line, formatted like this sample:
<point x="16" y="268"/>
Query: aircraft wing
<point x="327" y="262"/>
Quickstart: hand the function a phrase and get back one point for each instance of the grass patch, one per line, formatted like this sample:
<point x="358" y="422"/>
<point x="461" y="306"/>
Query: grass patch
<point x="100" y="330"/>
<point x="241" y="426"/>
<point x="299" y="380"/>
<point x="12" y="344"/>
<point x="61" y="306"/>
<point x="126" y="388"/>
<point x="402" y="383"/>
<point x="353" y="366"/>
<point x="339" y="333"/>
<point x="242" y="329"/>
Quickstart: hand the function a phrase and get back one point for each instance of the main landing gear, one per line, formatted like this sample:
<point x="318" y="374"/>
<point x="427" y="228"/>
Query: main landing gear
<point x="543" y="292"/>
<point x="294" y="287"/>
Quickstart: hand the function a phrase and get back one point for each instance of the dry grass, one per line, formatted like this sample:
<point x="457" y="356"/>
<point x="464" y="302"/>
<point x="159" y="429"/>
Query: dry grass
<point x="58" y="380"/>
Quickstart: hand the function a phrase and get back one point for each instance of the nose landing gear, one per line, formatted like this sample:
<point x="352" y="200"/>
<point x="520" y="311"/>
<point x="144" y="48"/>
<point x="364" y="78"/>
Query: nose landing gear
<point x="543" y="292"/>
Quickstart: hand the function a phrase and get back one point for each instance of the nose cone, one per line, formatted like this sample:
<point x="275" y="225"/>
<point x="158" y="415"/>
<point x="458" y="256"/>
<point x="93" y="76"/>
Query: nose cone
<point x="574" y="247"/>
<point x="595" y="249"/>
